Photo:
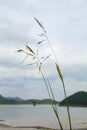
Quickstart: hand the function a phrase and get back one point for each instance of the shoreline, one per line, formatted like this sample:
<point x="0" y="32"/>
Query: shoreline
<point x="42" y="124"/>
<point x="71" y="105"/>
<point x="32" y="128"/>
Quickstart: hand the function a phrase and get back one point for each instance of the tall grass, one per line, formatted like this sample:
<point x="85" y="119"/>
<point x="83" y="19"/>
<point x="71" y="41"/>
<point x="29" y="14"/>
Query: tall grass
<point x="57" y="68"/>
<point x="38" y="61"/>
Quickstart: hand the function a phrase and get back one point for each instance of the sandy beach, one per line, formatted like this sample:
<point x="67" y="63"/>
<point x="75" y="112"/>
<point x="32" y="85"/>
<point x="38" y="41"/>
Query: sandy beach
<point x="41" y="124"/>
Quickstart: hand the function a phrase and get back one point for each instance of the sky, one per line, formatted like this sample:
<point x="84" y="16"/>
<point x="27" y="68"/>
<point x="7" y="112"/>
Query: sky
<point x="66" y="24"/>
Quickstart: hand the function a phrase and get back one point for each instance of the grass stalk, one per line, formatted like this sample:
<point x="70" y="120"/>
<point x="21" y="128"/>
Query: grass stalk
<point x="51" y="96"/>
<point x="61" y="77"/>
<point x="58" y="68"/>
<point x="50" y="92"/>
<point x="30" y="52"/>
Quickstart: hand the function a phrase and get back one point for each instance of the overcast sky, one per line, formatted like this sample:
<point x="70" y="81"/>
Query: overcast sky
<point x="66" y="25"/>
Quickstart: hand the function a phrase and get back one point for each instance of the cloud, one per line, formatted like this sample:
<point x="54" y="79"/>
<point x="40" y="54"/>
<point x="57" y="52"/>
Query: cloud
<point x="71" y="53"/>
<point x="66" y="25"/>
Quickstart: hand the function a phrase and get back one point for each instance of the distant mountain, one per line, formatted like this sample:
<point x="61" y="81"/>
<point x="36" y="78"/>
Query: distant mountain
<point x="48" y="101"/>
<point x="36" y="101"/>
<point x="17" y="100"/>
<point x="4" y="100"/>
<point x="77" y="99"/>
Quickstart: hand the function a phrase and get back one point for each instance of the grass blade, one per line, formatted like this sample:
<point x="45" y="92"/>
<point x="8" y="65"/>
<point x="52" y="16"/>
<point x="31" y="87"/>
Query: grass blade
<point x="59" y="72"/>
<point x="40" y="24"/>
<point x="30" y="49"/>
<point x="40" y="42"/>
<point x="20" y="50"/>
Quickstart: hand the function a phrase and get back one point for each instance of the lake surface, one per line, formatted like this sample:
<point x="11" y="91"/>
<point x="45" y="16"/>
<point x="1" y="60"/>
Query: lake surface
<point x="39" y="111"/>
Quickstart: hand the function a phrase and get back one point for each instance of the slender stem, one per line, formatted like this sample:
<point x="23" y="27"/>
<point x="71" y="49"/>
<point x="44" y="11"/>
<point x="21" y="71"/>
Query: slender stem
<point x="68" y="111"/>
<point x="53" y="105"/>
<point x="51" y="48"/>
<point x="50" y="87"/>
<point x="45" y="83"/>
<point x="69" y="118"/>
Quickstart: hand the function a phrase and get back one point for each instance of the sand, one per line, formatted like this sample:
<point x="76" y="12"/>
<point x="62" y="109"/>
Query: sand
<point x="41" y="124"/>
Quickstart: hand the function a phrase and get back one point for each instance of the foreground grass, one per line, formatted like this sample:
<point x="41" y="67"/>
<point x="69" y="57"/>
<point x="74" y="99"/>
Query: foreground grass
<point x="38" y="61"/>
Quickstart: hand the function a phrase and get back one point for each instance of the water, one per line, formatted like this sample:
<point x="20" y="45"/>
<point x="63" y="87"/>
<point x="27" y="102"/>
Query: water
<point x="39" y="111"/>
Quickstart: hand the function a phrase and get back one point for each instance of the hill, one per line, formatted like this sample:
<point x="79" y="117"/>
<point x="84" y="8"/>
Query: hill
<point x="17" y="100"/>
<point x="77" y="99"/>
<point x="36" y="101"/>
<point x="4" y="100"/>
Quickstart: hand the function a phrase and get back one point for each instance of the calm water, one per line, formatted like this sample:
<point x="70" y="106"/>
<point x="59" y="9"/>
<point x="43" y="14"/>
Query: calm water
<point x="39" y="111"/>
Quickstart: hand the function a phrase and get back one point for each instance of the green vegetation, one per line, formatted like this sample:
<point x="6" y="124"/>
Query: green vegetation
<point x="4" y="100"/>
<point x="77" y="99"/>
<point x="43" y="101"/>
